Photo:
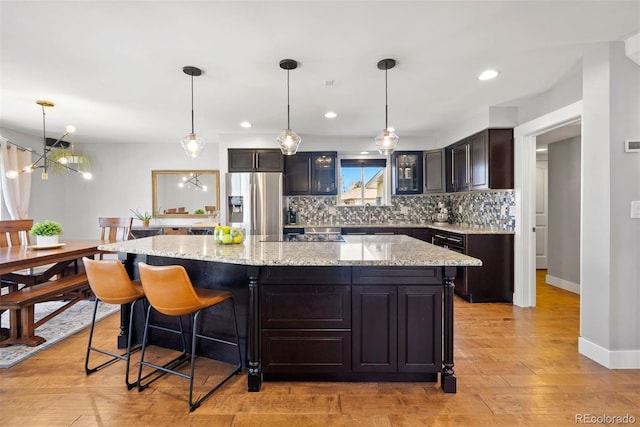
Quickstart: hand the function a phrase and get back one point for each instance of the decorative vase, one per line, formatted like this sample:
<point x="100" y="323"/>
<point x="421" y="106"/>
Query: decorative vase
<point x="47" y="240"/>
<point x="145" y="223"/>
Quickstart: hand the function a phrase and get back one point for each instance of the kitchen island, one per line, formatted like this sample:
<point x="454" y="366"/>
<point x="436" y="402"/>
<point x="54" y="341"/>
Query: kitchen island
<point x="371" y="308"/>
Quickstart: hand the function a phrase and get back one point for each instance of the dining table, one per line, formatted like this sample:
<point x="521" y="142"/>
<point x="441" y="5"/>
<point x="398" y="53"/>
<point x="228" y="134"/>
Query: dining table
<point x="62" y="261"/>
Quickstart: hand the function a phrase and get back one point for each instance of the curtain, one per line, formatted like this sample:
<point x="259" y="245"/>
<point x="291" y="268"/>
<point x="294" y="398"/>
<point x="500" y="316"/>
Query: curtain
<point x="16" y="193"/>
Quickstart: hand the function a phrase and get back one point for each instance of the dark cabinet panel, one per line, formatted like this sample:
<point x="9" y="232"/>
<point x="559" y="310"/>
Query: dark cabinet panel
<point x="481" y="161"/>
<point x="310" y="173"/>
<point x="255" y="160"/>
<point x="368" y="230"/>
<point x="375" y="341"/>
<point x="434" y="171"/>
<point x="323" y="173"/>
<point x="304" y="351"/>
<point x="407" y="172"/>
<point x="305" y="306"/>
<point x="419" y="326"/>
<point x="297" y="175"/>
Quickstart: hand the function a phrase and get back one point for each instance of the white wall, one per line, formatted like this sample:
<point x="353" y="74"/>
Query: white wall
<point x="564" y="212"/>
<point x="610" y="299"/>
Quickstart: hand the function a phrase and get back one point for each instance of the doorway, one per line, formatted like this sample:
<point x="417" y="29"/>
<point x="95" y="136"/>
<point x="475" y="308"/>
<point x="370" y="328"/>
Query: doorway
<point x="525" y="137"/>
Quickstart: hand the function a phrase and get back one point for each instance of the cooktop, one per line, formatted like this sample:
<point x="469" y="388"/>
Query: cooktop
<point x="322" y="237"/>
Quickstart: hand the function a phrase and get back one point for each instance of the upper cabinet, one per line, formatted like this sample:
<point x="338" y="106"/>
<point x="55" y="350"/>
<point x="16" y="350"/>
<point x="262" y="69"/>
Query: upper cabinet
<point x="255" y="160"/>
<point x="407" y="172"/>
<point x="482" y="161"/>
<point x="434" y="171"/>
<point x="310" y="173"/>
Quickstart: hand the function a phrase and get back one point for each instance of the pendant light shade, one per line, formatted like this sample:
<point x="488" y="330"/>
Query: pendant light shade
<point x="288" y="140"/>
<point x="387" y="140"/>
<point x="192" y="143"/>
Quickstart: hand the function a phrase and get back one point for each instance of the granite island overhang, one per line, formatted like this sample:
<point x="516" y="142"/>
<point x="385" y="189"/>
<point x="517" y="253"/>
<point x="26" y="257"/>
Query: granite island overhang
<point x="372" y="308"/>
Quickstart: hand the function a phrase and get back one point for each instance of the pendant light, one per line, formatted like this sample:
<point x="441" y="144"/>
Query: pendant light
<point x="192" y="144"/>
<point x="288" y="140"/>
<point x="387" y="141"/>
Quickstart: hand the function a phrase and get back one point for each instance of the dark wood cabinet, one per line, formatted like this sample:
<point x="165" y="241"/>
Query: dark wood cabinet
<point x="493" y="281"/>
<point x="255" y="160"/>
<point x="482" y="161"/>
<point x="407" y="172"/>
<point x="434" y="171"/>
<point x="310" y="173"/>
<point x="351" y="323"/>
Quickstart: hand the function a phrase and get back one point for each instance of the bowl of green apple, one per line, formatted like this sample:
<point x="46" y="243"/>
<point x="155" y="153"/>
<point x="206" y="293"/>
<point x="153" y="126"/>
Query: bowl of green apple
<point x="227" y="235"/>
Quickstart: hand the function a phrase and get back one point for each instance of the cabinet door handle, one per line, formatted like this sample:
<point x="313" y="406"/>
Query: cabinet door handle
<point x="453" y="167"/>
<point x="468" y="163"/>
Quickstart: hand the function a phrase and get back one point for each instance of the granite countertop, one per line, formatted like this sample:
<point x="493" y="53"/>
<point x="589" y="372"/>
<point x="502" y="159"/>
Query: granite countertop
<point x="356" y="250"/>
<point x="456" y="228"/>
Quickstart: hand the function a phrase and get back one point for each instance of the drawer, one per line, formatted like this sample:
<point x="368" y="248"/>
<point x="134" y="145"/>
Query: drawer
<point x="307" y="352"/>
<point x="305" y="306"/>
<point x="396" y="276"/>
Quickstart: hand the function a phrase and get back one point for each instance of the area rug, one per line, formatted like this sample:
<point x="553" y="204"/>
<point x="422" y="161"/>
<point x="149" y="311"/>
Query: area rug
<point x="66" y="324"/>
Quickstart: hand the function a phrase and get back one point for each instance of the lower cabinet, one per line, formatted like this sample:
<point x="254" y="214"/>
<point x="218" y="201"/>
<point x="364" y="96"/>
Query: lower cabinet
<point x="351" y="324"/>
<point x="396" y="328"/>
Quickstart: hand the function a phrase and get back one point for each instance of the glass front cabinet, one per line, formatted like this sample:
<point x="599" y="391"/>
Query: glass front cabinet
<point x="407" y="172"/>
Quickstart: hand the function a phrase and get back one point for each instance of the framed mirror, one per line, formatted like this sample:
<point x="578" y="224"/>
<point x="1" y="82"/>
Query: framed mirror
<point x="185" y="193"/>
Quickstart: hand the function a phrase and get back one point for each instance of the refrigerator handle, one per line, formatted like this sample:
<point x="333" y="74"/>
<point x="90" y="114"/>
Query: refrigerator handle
<point x="254" y="203"/>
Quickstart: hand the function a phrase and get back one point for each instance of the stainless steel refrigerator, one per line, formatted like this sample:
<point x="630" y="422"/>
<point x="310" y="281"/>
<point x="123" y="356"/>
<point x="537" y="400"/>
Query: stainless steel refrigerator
<point x="254" y="202"/>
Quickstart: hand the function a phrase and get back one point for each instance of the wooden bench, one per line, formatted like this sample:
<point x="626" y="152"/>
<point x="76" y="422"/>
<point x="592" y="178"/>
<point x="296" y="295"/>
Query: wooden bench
<point x="71" y="289"/>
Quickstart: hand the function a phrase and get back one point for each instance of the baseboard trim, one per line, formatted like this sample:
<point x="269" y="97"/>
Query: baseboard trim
<point x="620" y="359"/>
<point x="563" y="284"/>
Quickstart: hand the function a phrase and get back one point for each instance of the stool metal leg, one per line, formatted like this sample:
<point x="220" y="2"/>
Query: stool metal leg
<point x="196" y="317"/>
<point x="126" y="356"/>
<point x="170" y="366"/>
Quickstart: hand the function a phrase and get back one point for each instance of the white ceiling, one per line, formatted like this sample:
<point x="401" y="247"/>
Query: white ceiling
<point x="114" y="68"/>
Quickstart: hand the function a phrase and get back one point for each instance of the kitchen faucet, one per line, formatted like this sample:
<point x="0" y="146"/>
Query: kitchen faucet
<point x="367" y="213"/>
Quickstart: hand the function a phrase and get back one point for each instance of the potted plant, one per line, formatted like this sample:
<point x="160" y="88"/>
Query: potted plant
<point x="199" y="212"/>
<point x="46" y="232"/>
<point x="144" y="217"/>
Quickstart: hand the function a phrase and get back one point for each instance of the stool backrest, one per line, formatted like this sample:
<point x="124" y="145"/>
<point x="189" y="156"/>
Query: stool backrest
<point x="15" y="232"/>
<point x="110" y="282"/>
<point x="169" y="289"/>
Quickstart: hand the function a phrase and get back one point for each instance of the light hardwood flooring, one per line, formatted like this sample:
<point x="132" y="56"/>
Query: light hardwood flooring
<point x="514" y="366"/>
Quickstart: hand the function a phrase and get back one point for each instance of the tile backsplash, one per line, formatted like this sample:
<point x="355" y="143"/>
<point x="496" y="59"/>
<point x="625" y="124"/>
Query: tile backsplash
<point x="482" y="209"/>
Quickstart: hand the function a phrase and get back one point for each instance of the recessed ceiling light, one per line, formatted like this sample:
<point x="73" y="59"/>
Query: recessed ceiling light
<point x="488" y="75"/>
<point x="330" y="115"/>
<point x="541" y="149"/>
<point x="246" y="125"/>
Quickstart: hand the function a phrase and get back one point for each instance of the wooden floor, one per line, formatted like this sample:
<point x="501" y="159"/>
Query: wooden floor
<point x="514" y="366"/>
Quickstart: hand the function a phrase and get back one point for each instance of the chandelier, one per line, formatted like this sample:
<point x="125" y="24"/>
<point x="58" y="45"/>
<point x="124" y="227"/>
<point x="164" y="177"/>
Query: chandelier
<point x="192" y="143"/>
<point x="57" y="156"/>
<point x="288" y="139"/>
<point x="387" y="140"/>
<point x="192" y="182"/>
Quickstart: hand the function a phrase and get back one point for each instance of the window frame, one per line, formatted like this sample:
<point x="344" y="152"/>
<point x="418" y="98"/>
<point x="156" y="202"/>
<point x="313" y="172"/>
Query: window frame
<point x="387" y="184"/>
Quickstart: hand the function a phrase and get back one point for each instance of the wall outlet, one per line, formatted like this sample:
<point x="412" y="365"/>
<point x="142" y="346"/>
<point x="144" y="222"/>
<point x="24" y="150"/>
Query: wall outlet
<point x="503" y="210"/>
<point x="512" y="211"/>
<point x="404" y="210"/>
<point x="332" y="210"/>
<point x="460" y="209"/>
<point x="635" y="209"/>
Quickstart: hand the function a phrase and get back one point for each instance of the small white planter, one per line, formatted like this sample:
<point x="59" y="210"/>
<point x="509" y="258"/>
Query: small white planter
<point x="47" y="240"/>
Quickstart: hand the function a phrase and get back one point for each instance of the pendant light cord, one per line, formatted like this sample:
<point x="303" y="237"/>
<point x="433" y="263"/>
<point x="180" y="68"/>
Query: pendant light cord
<point x="386" y="106"/>
<point x="192" y="104"/>
<point x="288" y="108"/>
<point x="44" y="139"/>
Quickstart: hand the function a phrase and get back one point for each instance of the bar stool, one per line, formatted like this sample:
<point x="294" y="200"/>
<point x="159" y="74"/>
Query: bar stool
<point x="110" y="283"/>
<point x="170" y="292"/>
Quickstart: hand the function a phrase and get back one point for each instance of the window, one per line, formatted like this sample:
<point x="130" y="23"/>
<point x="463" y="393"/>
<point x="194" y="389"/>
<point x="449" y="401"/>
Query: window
<point x="363" y="180"/>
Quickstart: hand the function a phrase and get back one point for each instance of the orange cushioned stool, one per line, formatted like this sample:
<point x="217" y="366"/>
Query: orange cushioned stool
<point x="110" y="283"/>
<point x="171" y="293"/>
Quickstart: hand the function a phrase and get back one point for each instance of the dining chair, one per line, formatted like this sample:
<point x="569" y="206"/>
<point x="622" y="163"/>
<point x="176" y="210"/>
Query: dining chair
<point x="170" y="292"/>
<point x="110" y="284"/>
<point x="114" y="229"/>
<point x="16" y="233"/>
